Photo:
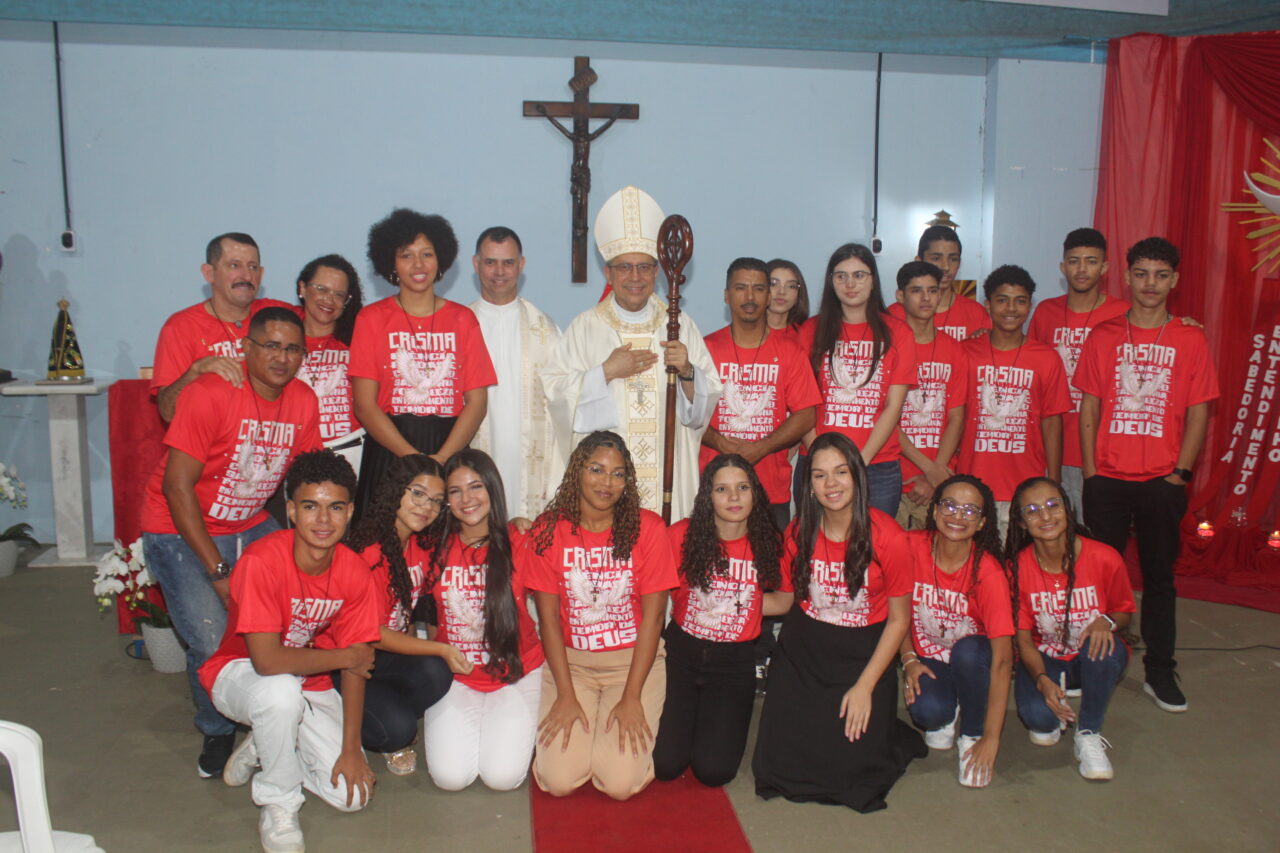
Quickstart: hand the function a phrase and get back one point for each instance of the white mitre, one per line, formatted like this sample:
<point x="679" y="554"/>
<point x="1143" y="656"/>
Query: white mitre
<point x="628" y="222"/>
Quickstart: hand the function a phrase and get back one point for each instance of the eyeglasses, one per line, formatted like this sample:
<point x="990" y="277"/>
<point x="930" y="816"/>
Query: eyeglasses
<point x="644" y="269"/>
<point x="421" y="498"/>
<point x="323" y="292"/>
<point x="842" y="277"/>
<point x="969" y="512"/>
<point x="1052" y="506"/>
<point x="273" y="347"/>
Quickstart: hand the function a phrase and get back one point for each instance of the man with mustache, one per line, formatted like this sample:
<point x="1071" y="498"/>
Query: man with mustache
<point x="205" y="338"/>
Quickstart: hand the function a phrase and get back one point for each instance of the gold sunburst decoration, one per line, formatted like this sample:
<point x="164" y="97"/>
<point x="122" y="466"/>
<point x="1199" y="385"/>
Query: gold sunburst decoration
<point x="1267" y="232"/>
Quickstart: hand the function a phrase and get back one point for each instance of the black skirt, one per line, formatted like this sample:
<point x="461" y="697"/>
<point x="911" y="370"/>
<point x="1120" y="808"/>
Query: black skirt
<point x="801" y="749"/>
<point x="427" y="433"/>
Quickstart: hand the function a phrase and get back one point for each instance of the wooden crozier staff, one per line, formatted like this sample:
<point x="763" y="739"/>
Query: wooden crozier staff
<point x="675" y="248"/>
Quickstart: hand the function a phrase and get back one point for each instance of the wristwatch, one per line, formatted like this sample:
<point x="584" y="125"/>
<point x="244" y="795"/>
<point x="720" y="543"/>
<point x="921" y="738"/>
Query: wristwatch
<point x="221" y="572"/>
<point x="1110" y="621"/>
<point x="1184" y="473"/>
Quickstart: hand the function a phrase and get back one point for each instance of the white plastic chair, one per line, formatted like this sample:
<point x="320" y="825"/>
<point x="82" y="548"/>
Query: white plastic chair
<point x="25" y="752"/>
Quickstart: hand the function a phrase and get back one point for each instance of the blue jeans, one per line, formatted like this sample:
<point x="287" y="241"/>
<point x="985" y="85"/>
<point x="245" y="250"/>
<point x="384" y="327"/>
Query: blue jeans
<point x="884" y="486"/>
<point x="965" y="681"/>
<point x="195" y="608"/>
<point x="1096" y="679"/>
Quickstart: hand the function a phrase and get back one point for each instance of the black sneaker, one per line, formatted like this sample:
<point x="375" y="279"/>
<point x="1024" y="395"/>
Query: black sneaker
<point x="214" y="755"/>
<point x="1162" y="687"/>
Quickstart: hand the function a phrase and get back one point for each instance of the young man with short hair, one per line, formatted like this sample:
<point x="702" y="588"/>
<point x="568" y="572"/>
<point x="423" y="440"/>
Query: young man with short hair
<point x="958" y="316"/>
<point x="1018" y="393"/>
<point x="1147" y="381"/>
<point x="302" y="607"/>
<point x="933" y="413"/>
<point x="770" y="396"/>
<point x="1064" y="322"/>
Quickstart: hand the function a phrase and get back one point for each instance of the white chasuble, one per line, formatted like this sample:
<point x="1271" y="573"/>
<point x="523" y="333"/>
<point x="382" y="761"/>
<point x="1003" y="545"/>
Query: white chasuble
<point x="580" y="402"/>
<point x="516" y="430"/>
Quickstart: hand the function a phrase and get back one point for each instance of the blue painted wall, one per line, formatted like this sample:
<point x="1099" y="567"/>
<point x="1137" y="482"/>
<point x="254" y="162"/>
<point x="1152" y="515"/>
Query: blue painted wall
<point x="305" y="138"/>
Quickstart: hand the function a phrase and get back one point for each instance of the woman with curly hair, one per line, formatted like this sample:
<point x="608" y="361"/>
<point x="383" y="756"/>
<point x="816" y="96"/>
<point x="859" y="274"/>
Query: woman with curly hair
<point x="600" y="570"/>
<point x="419" y="366"/>
<point x="1073" y="596"/>
<point x="728" y="551"/>
<point x="484" y="726"/>
<point x="821" y="739"/>
<point x="788" y="296"/>
<point x="409" y="674"/>
<point x="329" y="298"/>
<point x="864" y="360"/>
<point x="958" y="658"/>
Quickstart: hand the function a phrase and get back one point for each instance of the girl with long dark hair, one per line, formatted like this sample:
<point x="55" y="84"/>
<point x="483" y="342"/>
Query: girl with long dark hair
<point x="1073" y="597"/>
<point x="958" y="658"/>
<point x="788" y="296"/>
<point x="600" y="573"/>
<point x="419" y="367"/>
<point x="829" y="731"/>
<point x="410" y="674"/>
<point x="729" y="554"/>
<point x="864" y="360"/>
<point x="484" y="726"/>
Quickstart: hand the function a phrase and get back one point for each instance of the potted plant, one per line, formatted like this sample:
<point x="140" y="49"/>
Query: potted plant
<point x="14" y="493"/>
<point x="123" y="572"/>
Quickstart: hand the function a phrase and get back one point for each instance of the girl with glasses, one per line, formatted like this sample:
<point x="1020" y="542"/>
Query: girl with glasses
<point x="410" y="674"/>
<point x="1073" y="598"/>
<point x="600" y="571"/>
<point x="958" y="657"/>
<point x="829" y="731"/>
<point x="484" y="726"/>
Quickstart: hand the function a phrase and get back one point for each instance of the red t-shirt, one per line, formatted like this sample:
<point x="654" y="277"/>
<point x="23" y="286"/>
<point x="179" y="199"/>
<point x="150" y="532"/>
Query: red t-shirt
<point x="245" y="444"/>
<point x="946" y="608"/>
<point x="1101" y="586"/>
<point x="1057" y="326"/>
<point x="391" y="614"/>
<point x="763" y="386"/>
<point x="962" y="319"/>
<point x="325" y="370"/>
<point x="270" y="595"/>
<point x="942" y="383"/>
<point x="848" y="406"/>
<point x="600" y="595"/>
<point x="888" y="576"/>
<point x="192" y="334"/>
<point x="422" y="365"/>
<point x="1146" y="380"/>
<point x="459" y="595"/>
<point x="730" y="612"/>
<point x="1010" y="392"/>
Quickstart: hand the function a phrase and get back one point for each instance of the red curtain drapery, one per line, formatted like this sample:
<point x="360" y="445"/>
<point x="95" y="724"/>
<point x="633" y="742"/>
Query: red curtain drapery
<point x="1183" y="120"/>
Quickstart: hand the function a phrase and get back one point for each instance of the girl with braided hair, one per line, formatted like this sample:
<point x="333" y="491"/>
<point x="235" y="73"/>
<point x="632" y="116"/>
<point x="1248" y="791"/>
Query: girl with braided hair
<point x="1073" y="596"/>
<point x="829" y="731"/>
<point x="729" y="553"/>
<point x="409" y="674"/>
<point x="958" y="657"/>
<point x="600" y="569"/>
<point x="484" y="726"/>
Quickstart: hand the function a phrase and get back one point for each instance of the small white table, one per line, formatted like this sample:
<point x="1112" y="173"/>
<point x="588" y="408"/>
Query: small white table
<point x="69" y="457"/>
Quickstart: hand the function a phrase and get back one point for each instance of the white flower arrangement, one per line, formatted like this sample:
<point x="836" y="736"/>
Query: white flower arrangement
<point x="123" y="571"/>
<point x="12" y="490"/>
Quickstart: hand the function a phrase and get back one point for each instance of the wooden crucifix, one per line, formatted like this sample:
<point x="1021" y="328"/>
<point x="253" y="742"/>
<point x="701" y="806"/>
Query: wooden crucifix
<point x="581" y="110"/>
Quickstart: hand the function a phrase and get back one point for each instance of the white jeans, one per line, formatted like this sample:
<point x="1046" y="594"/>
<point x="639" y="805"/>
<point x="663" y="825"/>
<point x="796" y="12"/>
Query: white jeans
<point x="298" y="734"/>
<point x="490" y="735"/>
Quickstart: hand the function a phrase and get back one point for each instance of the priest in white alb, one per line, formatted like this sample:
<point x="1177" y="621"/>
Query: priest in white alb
<point x="521" y="339"/>
<point x="609" y="369"/>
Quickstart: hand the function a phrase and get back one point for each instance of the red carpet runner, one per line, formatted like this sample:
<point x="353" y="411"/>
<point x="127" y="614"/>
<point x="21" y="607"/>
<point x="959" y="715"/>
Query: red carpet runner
<point x="674" y="817"/>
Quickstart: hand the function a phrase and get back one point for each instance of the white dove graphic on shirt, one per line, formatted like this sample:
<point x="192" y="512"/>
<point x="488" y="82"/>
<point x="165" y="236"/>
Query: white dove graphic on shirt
<point x="741" y="411"/>
<point x="710" y="610"/>
<point x="922" y="407"/>
<point x="996" y="412"/>
<point x="829" y="609"/>
<point x="933" y="628"/>
<point x="465" y="619"/>
<point x="1134" y="390"/>
<point x="594" y="598"/>
<point x="846" y="381"/>
<point x="420" y="384"/>
<point x="322" y="386"/>
<point x="252" y="473"/>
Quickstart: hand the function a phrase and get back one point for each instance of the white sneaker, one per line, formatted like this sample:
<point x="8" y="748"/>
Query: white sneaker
<point x="967" y="778"/>
<point x="1045" y="738"/>
<point x="1091" y="751"/>
<point x="279" y="830"/>
<point x="1074" y="692"/>
<point x="945" y="737"/>
<point x="241" y="764"/>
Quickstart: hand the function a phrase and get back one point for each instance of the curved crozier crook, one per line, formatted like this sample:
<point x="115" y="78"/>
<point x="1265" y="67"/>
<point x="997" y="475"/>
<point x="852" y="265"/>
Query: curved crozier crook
<point x="1270" y="202"/>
